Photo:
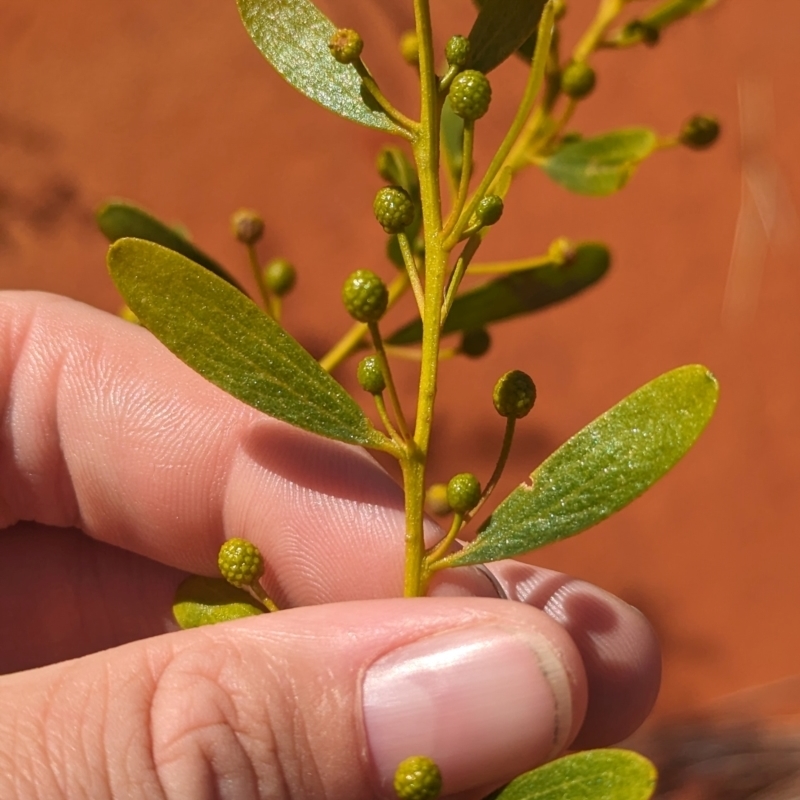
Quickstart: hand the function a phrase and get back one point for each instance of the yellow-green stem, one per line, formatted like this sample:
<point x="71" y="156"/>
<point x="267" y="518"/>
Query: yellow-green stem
<point x="535" y="79"/>
<point x="387" y="423"/>
<point x="466" y="175"/>
<point x="505" y="449"/>
<point x="411" y="269"/>
<point x="259" y="592"/>
<point x="426" y="155"/>
<point x="607" y="12"/>
<point x="266" y="296"/>
<point x="506" y="267"/>
<point x="473" y="243"/>
<point x="443" y="545"/>
<point x="408" y="126"/>
<point x="391" y="389"/>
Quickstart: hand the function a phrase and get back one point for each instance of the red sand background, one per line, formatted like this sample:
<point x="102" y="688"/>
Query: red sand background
<point x="169" y="104"/>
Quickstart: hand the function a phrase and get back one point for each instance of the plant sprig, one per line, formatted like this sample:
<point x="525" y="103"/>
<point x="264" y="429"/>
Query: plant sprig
<point x="203" y="315"/>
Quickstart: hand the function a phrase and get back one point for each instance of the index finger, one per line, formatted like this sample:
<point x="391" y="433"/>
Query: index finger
<point x="107" y="431"/>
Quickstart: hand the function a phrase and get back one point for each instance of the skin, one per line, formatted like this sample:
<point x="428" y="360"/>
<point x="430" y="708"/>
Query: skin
<point x="121" y="470"/>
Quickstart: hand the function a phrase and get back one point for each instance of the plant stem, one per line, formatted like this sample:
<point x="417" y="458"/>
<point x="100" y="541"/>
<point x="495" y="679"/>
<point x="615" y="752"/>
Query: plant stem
<point x="415" y="354"/>
<point x="382" y="413"/>
<point x="257" y="590"/>
<point x="411" y="269"/>
<point x="354" y="338"/>
<point x="408" y="125"/>
<point x="535" y="79"/>
<point x="266" y="297"/>
<point x="505" y="449"/>
<point x="506" y="267"/>
<point x="473" y="243"/>
<point x="466" y="175"/>
<point x="426" y="155"/>
<point x="387" y="375"/>
<point x="607" y="12"/>
<point x="441" y="548"/>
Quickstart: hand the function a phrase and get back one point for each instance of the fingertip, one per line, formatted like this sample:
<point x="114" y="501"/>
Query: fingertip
<point x="617" y="644"/>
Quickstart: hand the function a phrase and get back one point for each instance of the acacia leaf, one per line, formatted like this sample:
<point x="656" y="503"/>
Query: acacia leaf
<point x="521" y="292"/>
<point x="499" y="29"/>
<point x="601" y="469"/>
<point x="225" y="337"/>
<point x="600" y="165"/>
<point x="608" y="774"/>
<point x="118" y="219"/>
<point x="293" y="36"/>
<point x="206" y="601"/>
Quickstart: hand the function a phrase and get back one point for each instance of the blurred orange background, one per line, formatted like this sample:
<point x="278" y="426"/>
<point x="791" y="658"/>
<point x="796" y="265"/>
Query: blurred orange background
<point x="170" y="105"/>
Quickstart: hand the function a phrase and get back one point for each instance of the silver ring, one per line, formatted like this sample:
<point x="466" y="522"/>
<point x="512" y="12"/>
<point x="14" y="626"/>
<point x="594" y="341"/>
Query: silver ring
<point x="501" y="592"/>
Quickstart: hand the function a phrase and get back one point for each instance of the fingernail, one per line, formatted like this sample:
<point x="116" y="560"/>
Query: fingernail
<point x="485" y="704"/>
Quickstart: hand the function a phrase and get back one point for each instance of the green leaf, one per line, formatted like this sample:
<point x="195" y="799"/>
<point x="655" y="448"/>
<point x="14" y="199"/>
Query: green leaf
<point x="225" y="337"/>
<point x="206" y="601"/>
<point x="673" y="10"/>
<point x="601" y="469"/>
<point x="293" y="36"/>
<point x="500" y="28"/>
<point x="118" y="219"/>
<point x="591" y="775"/>
<point x="600" y="165"/>
<point x="519" y="293"/>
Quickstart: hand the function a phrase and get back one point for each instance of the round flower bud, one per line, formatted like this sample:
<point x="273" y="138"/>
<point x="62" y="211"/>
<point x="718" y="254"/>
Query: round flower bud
<point x="418" y="778"/>
<point x="470" y="94"/>
<point x="489" y="209"/>
<point x="475" y="343"/>
<point x="346" y="45"/>
<point x="280" y="276"/>
<point x="699" y="132"/>
<point x="247" y="225"/>
<point x="240" y="562"/>
<point x="514" y="394"/>
<point x="561" y="250"/>
<point x="370" y="375"/>
<point x="578" y="80"/>
<point x="409" y="47"/>
<point x="436" y="500"/>
<point x="393" y="208"/>
<point x="463" y="492"/>
<point x="457" y="51"/>
<point x="365" y="296"/>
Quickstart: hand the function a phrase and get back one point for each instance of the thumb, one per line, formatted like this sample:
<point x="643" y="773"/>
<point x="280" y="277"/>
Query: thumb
<point x="316" y="702"/>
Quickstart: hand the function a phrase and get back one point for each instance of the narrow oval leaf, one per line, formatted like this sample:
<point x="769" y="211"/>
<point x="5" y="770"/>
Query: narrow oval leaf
<point x="206" y="601"/>
<point x="600" y="165"/>
<point x="608" y="774"/>
<point x="225" y="337"/>
<point x="118" y="219"/>
<point x="293" y="36"/>
<point x="519" y="293"/>
<point x="500" y="28"/>
<point x="601" y="469"/>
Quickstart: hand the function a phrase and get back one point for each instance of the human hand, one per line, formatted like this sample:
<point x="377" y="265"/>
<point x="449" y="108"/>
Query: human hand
<point x="121" y="470"/>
